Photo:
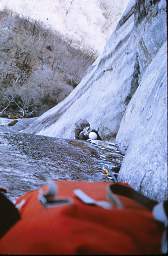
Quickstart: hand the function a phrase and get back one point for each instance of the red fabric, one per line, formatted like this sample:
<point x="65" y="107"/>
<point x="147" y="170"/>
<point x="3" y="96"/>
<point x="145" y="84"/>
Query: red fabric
<point x="82" y="229"/>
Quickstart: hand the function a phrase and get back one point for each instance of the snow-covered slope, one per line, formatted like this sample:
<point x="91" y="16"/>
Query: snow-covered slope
<point x="128" y="76"/>
<point x="87" y="23"/>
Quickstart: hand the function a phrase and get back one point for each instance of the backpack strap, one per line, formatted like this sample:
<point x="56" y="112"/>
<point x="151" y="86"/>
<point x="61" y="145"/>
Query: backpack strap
<point x="9" y="214"/>
<point x="126" y="191"/>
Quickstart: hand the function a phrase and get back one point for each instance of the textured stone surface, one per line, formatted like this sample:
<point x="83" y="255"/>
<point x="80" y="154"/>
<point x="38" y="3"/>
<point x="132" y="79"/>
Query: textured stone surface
<point x="143" y="132"/>
<point x="28" y="161"/>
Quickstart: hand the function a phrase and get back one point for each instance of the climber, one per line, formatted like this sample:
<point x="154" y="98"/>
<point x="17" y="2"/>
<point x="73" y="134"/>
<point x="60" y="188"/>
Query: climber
<point x="82" y="128"/>
<point x="83" y="131"/>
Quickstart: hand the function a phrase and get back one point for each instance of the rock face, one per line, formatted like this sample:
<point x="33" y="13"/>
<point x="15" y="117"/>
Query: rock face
<point x="28" y="161"/>
<point x="128" y="76"/>
<point x="143" y="131"/>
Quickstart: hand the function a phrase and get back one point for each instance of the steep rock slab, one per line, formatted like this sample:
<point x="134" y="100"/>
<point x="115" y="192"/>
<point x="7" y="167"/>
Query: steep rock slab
<point x="143" y="131"/>
<point x="104" y="93"/>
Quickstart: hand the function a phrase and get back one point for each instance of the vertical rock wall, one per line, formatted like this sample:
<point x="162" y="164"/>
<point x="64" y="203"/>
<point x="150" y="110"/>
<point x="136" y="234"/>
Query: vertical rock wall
<point x="143" y="129"/>
<point x="143" y="132"/>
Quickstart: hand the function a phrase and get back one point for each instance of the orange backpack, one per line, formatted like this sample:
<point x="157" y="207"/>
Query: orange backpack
<point x="82" y="218"/>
